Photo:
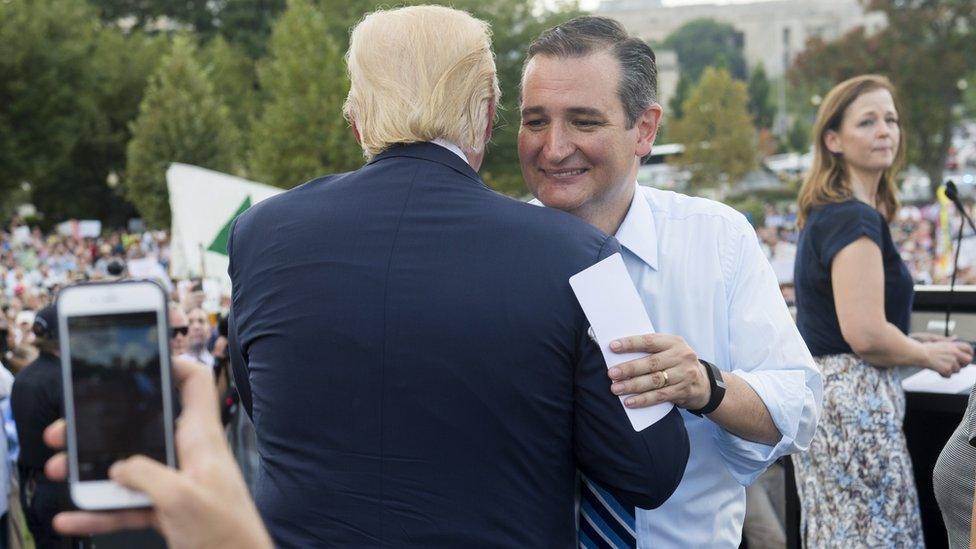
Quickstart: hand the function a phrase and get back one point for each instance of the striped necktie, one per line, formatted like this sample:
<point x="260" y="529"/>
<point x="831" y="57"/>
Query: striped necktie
<point x="604" y="522"/>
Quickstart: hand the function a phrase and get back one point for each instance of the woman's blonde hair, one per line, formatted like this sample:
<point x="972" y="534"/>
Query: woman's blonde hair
<point x="827" y="182"/>
<point x="420" y="73"/>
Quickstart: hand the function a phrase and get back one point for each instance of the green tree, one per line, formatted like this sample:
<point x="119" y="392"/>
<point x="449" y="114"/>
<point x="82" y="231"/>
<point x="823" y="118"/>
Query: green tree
<point x="702" y="43"/>
<point x="760" y="104"/>
<point x="301" y="133"/>
<point x="235" y="80"/>
<point x="798" y="136"/>
<point x="146" y="14"/>
<point x="717" y="131"/>
<point x="121" y="64"/>
<point x="247" y="23"/>
<point x="925" y="49"/>
<point x="677" y="101"/>
<point x="46" y="89"/>
<point x="180" y="120"/>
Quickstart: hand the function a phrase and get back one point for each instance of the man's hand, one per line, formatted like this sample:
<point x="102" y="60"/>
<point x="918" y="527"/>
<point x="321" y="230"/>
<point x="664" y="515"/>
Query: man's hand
<point x="670" y="373"/>
<point x="204" y="504"/>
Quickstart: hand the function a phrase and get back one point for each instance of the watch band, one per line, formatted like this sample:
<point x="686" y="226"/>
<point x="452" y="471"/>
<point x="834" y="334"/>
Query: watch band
<point x="717" y="385"/>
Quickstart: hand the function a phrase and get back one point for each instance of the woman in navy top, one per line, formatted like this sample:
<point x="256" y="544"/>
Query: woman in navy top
<point x="853" y="301"/>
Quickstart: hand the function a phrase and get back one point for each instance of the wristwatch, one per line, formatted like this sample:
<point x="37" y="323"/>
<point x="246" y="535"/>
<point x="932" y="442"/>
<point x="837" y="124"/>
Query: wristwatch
<point x="717" y="385"/>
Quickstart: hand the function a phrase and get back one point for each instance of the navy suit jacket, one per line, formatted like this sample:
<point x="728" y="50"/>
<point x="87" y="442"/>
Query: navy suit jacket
<point x="418" y="369"/>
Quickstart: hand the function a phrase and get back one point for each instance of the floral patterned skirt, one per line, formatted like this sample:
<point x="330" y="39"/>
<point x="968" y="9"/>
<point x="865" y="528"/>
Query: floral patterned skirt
<point x="855" y="482"/>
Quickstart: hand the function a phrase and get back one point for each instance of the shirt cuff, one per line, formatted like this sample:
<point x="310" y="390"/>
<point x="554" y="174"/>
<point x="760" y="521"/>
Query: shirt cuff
<point x="786" y="396"/>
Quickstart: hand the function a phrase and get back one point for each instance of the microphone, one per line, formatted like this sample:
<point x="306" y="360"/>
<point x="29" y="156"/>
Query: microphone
<point x="952" y="193"/>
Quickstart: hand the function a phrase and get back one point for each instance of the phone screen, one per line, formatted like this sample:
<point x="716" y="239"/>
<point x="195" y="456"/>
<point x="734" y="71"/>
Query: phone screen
<point x="117" y="386"/>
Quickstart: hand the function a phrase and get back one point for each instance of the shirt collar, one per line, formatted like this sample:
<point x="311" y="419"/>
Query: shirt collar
<point x="638" y="233"/>
<point x="451" y="147"/>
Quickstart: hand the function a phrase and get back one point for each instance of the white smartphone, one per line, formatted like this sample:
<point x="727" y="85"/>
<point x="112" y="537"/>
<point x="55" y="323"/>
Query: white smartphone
<point x="118" y="390"/>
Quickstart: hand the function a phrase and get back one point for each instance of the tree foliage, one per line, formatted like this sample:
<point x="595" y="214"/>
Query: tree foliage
<point x="703" y="43"/>
<point x="235" y="80"/>
<point x="45" y="86"/>
<point x="760" y="102"/>
<point x="717" y="131"/>
<point x="147" y="14"/>
<point x="925" y="50"/>
<point x="247" y="23"/>
<point x="74" y="85"/>
<point x="301" y="133"/>
<point x="180" y="120"/>
<point x="677" y="101"/>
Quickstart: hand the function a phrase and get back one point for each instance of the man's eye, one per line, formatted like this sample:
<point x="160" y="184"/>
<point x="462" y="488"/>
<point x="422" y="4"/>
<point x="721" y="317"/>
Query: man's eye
<point x="533" y="123"/>
<point x="587" y="123"/>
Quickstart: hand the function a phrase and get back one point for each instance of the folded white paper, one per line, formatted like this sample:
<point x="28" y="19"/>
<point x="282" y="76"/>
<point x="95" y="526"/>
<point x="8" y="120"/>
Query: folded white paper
<point x="615" y="310"/>
<point x="928" y="381"/>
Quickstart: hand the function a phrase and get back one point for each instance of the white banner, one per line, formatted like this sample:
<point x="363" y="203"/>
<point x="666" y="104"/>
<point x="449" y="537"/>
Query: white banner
<point x="203" y="205"/>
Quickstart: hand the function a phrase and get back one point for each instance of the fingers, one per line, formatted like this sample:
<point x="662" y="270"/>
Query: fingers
<point x="80" y="523"/>
<point x="54" y="435"/>
<point x="651" y="363"/>
<point x="196" y="388"/>
<point x="56" y="467"/>
<point x="647" y="343"/>
<point x="649" y="382"/>
<point x="671" y="393"/>
<point x="162" y="484"/>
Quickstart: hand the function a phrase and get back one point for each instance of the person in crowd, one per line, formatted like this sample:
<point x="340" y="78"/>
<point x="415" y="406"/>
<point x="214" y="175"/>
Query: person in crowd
<point x="204" y="504"/>
<point x="197" y="336"/>
<point x="953" y="479"/>
<point x="36" y="402"/>
<point x="417" y="367"/>
<point x="8" y="453"/>
<point x="727" y="352"/>
<point x="179" y="330"/>
<point x="853" y="300"/>
<point x="20" y="356"/>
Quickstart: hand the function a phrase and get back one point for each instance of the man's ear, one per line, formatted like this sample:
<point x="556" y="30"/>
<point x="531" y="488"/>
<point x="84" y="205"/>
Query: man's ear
<point x="832" y="142"/>
<point x="647" y="124"/>
<point x="355" y="132"/>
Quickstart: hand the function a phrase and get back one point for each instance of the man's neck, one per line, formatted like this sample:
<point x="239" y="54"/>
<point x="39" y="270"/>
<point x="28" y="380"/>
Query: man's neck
<point x="610" y="213"/>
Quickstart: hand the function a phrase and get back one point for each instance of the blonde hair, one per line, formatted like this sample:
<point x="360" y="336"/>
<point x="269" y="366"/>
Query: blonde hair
<point x="827" y="183"/>
<point x="420" y="73"/>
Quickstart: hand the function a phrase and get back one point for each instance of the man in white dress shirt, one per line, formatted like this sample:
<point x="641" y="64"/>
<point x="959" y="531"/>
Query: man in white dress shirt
<point x="727" y="351"/>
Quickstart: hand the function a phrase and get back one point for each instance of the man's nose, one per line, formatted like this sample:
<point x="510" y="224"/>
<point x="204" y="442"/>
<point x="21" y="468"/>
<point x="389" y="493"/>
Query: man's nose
<point x="559" y="144"/>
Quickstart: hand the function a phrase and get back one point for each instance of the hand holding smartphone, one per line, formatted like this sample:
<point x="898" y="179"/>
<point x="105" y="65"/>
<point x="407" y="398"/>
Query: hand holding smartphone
<point x="117" y="386"/>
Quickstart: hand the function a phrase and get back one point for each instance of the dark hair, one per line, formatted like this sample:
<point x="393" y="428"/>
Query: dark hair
<point x="584" y="35"/>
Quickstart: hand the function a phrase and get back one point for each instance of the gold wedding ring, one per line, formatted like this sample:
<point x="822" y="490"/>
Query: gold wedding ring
<point x="665" y="372"/>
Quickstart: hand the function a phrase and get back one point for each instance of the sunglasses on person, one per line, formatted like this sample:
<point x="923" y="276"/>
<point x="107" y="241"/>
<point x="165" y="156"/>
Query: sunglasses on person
<point x="182" y="330"/>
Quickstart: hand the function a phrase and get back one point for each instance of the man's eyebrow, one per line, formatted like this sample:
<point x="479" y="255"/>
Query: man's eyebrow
<point x="586" y="111"/>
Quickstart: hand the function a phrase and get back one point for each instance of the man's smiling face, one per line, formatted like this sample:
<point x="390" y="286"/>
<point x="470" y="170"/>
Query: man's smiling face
<point x="575" y="147"/>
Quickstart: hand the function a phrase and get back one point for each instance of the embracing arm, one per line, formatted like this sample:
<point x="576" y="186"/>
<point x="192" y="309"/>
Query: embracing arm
<point x="773" y="388"/>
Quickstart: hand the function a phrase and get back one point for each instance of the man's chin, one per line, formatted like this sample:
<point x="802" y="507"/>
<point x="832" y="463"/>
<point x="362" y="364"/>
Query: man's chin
<point x="560" y="197"/>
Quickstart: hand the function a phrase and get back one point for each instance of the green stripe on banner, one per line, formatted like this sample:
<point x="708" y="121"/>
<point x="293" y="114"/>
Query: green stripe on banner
<point x="219" y="245"/>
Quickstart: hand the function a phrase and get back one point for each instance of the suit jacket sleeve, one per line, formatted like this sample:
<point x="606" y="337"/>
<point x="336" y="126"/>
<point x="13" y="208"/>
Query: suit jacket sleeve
<point x="237" y="359"/>
<point x="640" y="468"/>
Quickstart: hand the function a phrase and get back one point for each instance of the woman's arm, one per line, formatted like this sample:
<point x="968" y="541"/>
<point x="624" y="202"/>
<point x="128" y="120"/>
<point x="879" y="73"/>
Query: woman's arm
<point x="858" y="281"/>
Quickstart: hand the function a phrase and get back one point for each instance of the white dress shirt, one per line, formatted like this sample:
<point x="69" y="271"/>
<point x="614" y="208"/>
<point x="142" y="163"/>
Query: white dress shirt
<point x="701" y="274"/>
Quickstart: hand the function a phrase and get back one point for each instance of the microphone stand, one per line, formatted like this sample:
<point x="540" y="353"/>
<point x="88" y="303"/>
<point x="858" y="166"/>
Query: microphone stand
<point x="952" y="193"/>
